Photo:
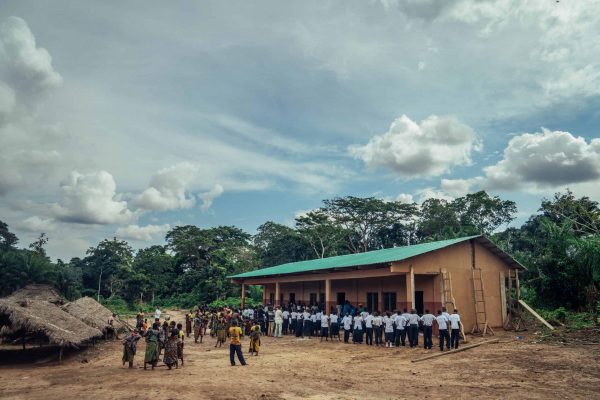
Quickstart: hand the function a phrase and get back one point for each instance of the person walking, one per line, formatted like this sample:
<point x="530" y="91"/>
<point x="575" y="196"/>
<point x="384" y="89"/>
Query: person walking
<point x="442" y="322"/>
<point x="455" y="326"/>
<point x="235" y="344"/>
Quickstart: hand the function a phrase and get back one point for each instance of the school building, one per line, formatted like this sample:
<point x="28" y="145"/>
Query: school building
<point x="471" y="274"/>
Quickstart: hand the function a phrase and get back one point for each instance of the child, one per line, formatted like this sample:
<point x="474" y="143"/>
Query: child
<point x="235" y="344"/>
<point x="324" y="327"/>
<point x="455" y="326"/>
<point x="377" y="322"/>
<point x="358" y="330"/>
<point x="347" y="321"/>
<point x="254" y="339"/>
<point x="180" y="342"/>
<point x="388" y="329"/>
<point x="221" y="332"/>
<point x="335" y="326"/>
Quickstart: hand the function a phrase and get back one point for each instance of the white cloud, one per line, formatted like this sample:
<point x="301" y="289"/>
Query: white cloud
<point x="414" y="150"/>
<point x="26" y="79"/>
<point x="405" y="198"/>
<point x="210" y="196"/>
<point x="456" y="187"/>
<point x="91" y="199"/>
<point x="169" y="188"/>
<point x="432" y="193"/>
<point x="143" y="233"/>
<point x="24" y="67"/>
<point x="546" y="159"/>
<point x="37" y="224"/>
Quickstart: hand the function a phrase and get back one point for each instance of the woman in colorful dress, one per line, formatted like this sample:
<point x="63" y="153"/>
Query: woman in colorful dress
<point x="170" y="357"/>
<point x="254" y="339"/>
<point x="130" y="346"/>
<point x="180" y="342"/>
<point x="221" y="332"/>
<point x="152" y="339"/>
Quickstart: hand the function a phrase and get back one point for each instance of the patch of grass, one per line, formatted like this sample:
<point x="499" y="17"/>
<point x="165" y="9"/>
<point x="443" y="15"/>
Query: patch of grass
<point x="570" y="319"/>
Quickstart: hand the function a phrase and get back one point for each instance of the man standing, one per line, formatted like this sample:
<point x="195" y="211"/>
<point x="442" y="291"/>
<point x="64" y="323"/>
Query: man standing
<point x="455" y="326"/>
<point x="347" y="321"/>
<point x="368" y="318"/>
<point x="278" y="321"/>
<point x="413" y="328"/>
<point x="427" y="320"/>
<point x="377" y="322"/>
<point x="286" y="321"/>
<point x="442" y="322"/>
<point x="400" y="336"/>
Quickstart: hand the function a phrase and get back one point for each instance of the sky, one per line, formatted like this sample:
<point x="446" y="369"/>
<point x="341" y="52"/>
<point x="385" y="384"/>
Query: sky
<point x="126" y="119"/>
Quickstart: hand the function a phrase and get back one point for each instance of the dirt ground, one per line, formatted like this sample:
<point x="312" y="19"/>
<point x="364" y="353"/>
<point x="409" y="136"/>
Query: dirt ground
<point x="291" y="368"/>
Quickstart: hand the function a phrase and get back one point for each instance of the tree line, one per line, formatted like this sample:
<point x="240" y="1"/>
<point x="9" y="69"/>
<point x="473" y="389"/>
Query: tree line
<point x="559" y="245"/>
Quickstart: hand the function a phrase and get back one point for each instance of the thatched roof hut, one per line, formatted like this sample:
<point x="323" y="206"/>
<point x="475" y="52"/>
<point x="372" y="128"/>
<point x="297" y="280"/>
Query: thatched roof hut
<point x="41" y="318"/>
<point x="93" y="314"/>
<point x="37" y="292"/>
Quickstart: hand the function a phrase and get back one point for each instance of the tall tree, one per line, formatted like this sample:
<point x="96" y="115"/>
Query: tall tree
<point x="363" y="218"/>
<point x="323" y="234"/>
<point x="106" y="266"/>
<point x="7" y="238"/>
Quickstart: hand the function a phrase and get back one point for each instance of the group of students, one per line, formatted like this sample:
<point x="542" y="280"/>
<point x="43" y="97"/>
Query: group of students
<point x="379" y="329"/>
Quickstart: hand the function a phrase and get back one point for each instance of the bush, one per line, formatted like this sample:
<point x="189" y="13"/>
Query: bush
<point x="572" y="320"/>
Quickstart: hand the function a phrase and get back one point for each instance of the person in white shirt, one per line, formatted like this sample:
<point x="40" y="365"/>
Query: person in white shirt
<point x="358" y="330"/>
<point x="315" y="324"/>
<point x="377" y="322"/>
<point x="250" y="313"/>
<point x="293" y="316"/>
<point x="427" y="320"/>
<point x="442" y="323"/>
<point x="299" y="327"/>
<point x="455" y="326"/>
<point x="307" y="331"/>
<point x="413" y="329"/>
<point x="347" y="322"/>
<point x="368" y="318"/>
<point x="324" y="327"/>
<point x="388" y="330"/>
<point x="157" y="313"/>
<point x="286" y="321"/>
<point x="278" y="322"/>
<point x="335" y="326"/>
<point x="400" y="337"/>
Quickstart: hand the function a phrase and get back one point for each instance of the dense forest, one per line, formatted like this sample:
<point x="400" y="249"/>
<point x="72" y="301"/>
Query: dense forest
<point x="559" y="245"/>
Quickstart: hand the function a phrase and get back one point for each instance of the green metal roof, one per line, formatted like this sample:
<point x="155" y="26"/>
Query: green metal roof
<point x="353" y="260"/>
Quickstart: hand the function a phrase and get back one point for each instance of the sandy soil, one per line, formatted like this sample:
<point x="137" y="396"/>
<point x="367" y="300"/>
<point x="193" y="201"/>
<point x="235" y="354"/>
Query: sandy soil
<point x="291" y="368"/>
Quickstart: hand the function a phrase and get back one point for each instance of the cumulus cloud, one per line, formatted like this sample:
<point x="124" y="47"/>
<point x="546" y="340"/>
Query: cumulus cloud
<point x="210" y="196"/>
<point x="37" y="224"/>
<point x="545" y="159"/>
<point x="26" y="79"/>
<point x="143" y="233"/>
<point x="414" y="150"/>
<point x="456" y="187"/>
<point x="168" y="189"/>
<point x="405" y="198"/>
<point x="91" y="199"/>
<point x="24" y="67"/>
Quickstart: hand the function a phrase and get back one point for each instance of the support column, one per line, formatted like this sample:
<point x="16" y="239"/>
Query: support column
<point x="243" y="302"/>
<point x="277" y="294"/>
<point x="380" y="296"/>
<point x="410" y="288"/>
<point x="328" y="301"/>
<point x="264" y="294"/>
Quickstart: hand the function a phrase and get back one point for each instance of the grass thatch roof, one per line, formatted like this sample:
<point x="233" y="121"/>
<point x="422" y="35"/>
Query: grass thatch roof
<point x="36" y="292"/>
<point x="41" y="317"/>
<point x="92" y="313"/>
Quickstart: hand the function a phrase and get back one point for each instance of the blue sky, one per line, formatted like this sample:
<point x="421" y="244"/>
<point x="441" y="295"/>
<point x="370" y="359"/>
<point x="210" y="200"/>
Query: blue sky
<point x="129" y="119"/>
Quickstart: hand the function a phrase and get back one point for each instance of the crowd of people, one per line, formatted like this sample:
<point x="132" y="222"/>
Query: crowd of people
<point x="385" y="329"/>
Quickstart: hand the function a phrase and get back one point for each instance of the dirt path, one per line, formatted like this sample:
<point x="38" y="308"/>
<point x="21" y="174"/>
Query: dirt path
<point x="290" y="368"/>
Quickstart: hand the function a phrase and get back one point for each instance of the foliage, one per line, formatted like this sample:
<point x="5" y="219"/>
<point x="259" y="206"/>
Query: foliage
<point x="570" y="319"/>
<point x="559" y="245"/>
